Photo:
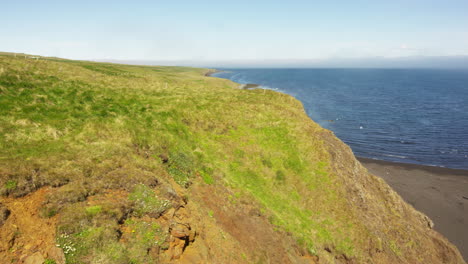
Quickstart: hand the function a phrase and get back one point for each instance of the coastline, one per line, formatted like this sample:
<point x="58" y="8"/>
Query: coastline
<point x="211" y="72"/>
<point x="191" y="190"/>
<point x="440" y="193"/>
<point x="247" y="86"/>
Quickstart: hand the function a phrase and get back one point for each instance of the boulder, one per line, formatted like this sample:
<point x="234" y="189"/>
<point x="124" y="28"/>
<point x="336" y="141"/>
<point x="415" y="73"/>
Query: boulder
<point x="35" y="258"/>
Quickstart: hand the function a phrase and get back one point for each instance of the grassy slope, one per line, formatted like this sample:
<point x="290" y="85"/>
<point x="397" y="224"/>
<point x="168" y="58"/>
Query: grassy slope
<point x="87" y="127"/>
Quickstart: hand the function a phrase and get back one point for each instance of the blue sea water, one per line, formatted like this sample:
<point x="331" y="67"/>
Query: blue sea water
<point x="415" y="116"/>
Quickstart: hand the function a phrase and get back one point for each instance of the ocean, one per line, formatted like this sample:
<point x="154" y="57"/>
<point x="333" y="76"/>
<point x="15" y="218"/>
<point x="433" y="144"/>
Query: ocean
<point x="417" y="116"/>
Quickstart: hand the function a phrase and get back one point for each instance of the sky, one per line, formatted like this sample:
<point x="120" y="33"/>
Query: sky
<point x="254" y="30"/>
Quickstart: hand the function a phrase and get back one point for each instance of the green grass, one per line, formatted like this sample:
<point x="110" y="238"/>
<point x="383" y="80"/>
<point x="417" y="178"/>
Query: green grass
<point x="86" y="127"/>
<point x="93" y="210"/>
<point x="146" y="202"/>
<point x="143" y="236"/>
<point x="95" y="233"/>
<point x="10" y="185"/>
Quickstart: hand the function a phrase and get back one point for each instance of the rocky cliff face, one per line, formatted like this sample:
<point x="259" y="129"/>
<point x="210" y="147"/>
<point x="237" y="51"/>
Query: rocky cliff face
<point x="106" y="163"/>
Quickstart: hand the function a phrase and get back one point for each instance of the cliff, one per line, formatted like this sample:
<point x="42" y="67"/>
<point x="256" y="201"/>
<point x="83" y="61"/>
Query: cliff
<point x="108" y="163"/>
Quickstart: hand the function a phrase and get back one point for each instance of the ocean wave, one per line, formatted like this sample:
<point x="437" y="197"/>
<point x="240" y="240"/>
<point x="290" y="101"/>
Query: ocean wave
<point x="271" y="88"/>
<point x="395" y="156"/>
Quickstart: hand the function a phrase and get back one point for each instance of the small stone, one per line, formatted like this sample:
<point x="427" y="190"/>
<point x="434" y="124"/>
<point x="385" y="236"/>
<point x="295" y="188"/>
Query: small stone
<point x="430" y="224"/>
<point x="169" y="214"/>
<point x="163" y="158"/>
<point x="180" y="231"/>
<point x="35" y="258"/>
<point x="56" y="254"/>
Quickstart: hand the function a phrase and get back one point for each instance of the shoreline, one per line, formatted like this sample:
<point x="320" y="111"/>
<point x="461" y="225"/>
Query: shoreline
<point x="440" y="193"/>
<point x="247" y="86"/>
<point x="413" y="166"/>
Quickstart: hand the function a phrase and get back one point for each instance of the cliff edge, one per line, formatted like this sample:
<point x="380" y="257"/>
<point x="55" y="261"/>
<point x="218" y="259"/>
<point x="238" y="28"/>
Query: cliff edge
<point x="108" y="163"/>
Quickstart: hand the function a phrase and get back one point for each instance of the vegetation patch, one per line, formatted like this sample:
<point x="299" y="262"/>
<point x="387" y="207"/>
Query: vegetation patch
<point x="181" y="167"/>
<point x="145" y="201"/>
<point x="141" y="237"/>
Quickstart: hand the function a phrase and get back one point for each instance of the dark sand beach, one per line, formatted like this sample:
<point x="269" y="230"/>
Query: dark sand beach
<point x="440" y="193"/>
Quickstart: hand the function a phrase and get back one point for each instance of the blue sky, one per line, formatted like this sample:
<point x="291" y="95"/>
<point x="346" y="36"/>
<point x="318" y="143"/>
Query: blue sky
<point x="234" y="30"/>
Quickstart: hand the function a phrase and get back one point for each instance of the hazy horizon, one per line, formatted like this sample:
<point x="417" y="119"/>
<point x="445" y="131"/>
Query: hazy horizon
<point x="243" y="32"/>
<point x="442" y="62"/>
